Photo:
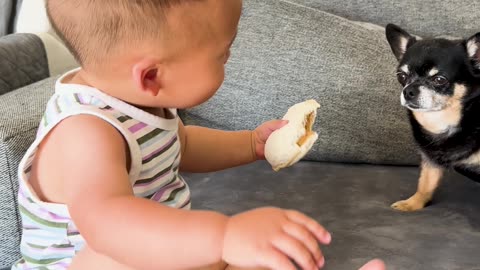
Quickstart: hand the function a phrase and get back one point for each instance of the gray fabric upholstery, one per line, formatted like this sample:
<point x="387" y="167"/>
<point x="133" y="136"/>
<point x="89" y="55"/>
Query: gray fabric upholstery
<point x="23" y="61"/>
<point x="285" y="53"/>
<point x="426" y="17"/>
<point x="20" y="113"/>
<point x="353" y="203"/>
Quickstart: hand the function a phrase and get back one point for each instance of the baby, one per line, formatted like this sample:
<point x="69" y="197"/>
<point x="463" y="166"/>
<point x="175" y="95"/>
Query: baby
<point x="100" y="186"/>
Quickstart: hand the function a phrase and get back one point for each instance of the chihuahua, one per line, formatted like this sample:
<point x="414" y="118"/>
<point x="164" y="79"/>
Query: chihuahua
<point x="441" y="92"/>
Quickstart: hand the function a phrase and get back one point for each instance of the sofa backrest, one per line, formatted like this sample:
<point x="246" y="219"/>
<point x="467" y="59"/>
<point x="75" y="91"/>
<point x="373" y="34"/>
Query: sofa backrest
<point x="23" y="61"/>
<point x="426" y="17"/>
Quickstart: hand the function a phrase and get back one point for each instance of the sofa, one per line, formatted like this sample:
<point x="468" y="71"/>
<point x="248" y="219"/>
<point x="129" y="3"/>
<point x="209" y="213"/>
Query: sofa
<point x="286" y="52"/>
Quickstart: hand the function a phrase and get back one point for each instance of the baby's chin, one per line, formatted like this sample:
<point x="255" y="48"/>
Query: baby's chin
<point x="179" y="103"/>
<point x="193" y="101"/>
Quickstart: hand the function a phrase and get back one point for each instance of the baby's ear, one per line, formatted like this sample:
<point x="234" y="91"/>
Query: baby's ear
<point x="399" y="40"/>
<point x="146" y="75"/>
<point x="473" y="49"/>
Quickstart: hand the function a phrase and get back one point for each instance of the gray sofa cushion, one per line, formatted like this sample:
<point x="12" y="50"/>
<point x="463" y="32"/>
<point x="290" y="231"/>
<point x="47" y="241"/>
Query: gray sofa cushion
<point x="20" y="114"/>
<point x="353" y="202"/>
<point x="426" y="17"/>
<point x="23" y="61"/>
<point x="287" y="53"/>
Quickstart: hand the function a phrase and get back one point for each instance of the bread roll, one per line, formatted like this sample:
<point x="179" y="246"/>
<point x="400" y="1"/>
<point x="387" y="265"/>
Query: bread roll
<point x="287" y="145"/>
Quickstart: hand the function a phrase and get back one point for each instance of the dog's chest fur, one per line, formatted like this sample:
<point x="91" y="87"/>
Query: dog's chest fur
<point x="451" y="138"/>
<point x="441" y="122"/>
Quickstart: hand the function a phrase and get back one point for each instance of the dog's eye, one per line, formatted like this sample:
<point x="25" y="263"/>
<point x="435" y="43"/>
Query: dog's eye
<point x="440" y="80"/>
<point x="402" y="78"/>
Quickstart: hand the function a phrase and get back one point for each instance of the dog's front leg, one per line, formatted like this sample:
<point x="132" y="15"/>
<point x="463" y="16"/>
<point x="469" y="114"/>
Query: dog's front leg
<point x="430" y="176"/>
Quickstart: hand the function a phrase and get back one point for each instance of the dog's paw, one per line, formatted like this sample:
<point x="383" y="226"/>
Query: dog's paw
<point x="407" y="205"/>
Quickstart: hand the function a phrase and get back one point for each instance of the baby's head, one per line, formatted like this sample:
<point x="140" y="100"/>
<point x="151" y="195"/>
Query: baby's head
<point x="155" y="53"/>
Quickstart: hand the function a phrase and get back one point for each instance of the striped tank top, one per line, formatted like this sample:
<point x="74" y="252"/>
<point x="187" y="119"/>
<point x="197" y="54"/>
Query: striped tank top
<point x="50" y="238"/>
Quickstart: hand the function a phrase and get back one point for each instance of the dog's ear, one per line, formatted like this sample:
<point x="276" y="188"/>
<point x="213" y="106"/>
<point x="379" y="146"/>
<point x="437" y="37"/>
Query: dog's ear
<point x="473" y="49"/>
<point x="399" y="40"/>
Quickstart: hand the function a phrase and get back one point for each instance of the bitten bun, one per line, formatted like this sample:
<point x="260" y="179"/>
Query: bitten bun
<point x="287" y="145"/>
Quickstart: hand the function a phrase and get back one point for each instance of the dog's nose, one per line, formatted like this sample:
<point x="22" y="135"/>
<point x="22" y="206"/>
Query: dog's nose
<point x="410" y="93"/>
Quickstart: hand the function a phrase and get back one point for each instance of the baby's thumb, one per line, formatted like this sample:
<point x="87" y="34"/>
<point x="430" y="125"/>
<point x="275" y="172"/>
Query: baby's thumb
<point x="277" y="124"/>
<point x="374" y="265"/>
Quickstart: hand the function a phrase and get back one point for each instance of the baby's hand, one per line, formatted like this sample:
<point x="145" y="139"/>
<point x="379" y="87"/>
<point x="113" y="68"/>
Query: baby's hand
<point x="262" y="133"/>
<point x="374" y="265"/>
<point x="270" y="237"/>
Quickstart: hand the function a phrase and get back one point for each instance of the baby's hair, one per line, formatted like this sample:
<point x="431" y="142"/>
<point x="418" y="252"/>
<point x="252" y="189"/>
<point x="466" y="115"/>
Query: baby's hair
<point x="92" y="28"/>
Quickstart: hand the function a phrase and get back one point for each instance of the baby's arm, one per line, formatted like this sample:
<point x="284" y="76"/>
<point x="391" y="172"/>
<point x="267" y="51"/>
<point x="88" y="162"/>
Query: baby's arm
<point x="142" y="234"/>
<point x="207" y="150"/>
<point x="136" y="232"/>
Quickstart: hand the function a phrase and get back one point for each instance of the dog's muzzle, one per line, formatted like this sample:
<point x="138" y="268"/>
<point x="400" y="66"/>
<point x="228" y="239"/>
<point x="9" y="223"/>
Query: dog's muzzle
<point x="409" y="97"/>
<point x="419" y="98"/>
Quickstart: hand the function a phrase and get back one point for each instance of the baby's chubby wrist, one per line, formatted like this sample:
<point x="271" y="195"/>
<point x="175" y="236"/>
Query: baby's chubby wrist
<point x="216" y="228"/>
<point x="227" y="231"/>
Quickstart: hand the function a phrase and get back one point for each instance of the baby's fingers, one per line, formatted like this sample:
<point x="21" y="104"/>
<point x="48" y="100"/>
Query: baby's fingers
<point x="302" y="234"/>
<point x="295" y="250"/>
<point x="318" y="230"/>
<point x="374" y="265"/>
<point x="274" y="259"/>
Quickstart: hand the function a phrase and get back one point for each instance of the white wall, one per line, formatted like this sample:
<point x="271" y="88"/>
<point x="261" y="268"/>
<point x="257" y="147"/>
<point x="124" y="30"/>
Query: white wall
<point x="32" y="18"/>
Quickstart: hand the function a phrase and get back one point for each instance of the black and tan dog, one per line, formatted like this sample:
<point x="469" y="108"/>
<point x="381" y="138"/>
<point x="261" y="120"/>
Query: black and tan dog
<point x="441" y="90"/>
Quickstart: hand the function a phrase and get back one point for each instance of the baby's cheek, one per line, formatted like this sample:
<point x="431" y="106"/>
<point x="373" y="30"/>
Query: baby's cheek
<point x="227" y="56"/>
<point x="216" y="79"/>
<point x="209" y="88"/>
<point x="221" y="77"/>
